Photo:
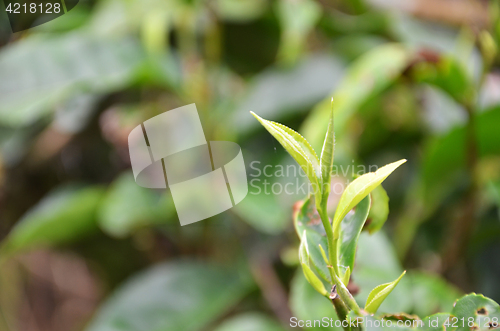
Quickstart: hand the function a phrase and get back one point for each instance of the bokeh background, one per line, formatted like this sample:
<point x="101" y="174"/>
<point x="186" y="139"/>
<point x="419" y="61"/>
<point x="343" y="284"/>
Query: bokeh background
<point x="85" y="248"/>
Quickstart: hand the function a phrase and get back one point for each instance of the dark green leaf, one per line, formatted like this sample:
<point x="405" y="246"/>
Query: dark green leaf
<point x="351" y="228"/>
<point x="172" y="296"/>
<point x="477" y="310"/>
<point x="39" y="72"/>
<point x="306" y="220"/>
<point x="61" y="217"/>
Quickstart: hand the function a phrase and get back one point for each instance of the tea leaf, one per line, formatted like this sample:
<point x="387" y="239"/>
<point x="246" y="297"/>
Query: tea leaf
<point x="359" y="189"/>
<point x="345" y="295"/>
<point x="347" y="276"/>
<point x="314" y="280"/>
<point x="307" y="223"/>
<point x="61" y="217"/>
<point x="308" y="273"/>
<point x="435" y="322"/>
<point x="167" y="296"/>
<point x="326" y="162"/>
<point x="297" y="146"/>
<point x="377" y="263"/>
<point x="38" y="73"/>
<point x="351" y="228"/>
<point x="478" y="308"/>
<point x="303" y="250"/>
<point x="379" y="293"/>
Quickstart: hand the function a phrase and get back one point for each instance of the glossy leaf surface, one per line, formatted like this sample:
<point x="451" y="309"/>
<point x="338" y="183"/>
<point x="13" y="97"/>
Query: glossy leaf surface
<point x="307" y="221"/>
<point x="326" y="161"/>
<point x="297" y="146"/>
<point x="351" y="228"/>
<point x="379" y="293"/>
<point x="359" y="189"/>
<point x="477" y="309"/>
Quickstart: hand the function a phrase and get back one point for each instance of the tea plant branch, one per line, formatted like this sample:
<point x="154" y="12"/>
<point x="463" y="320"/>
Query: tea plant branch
<point x="340" y="307"/>
<point x="457" y="242"/>
<point x="272" y="289"/>
<point x="345" y="295"/>
<point x="333" y="262"/>
<point x="332" y="251"/>
<point x="326" y="166"/>
<point x="318" y="171"/>
<point x="455" y="246"/>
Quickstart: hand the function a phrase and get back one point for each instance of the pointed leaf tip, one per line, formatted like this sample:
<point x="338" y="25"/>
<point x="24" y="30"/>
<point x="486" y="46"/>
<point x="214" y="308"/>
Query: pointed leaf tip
<point x="327" y="155"/>
<point x="379" y="293"/>
<point x="358" y="189"/>
<point x="297" y="146"/>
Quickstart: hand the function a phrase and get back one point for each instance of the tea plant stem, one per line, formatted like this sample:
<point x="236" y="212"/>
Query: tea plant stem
<point x="463" y="227"/>
<point x="344" y="294"/>
<point x="270" y="284"/>
<point x="332" y="252"/>
<point x="341" y="309"/>
<point x="335" y="246"/>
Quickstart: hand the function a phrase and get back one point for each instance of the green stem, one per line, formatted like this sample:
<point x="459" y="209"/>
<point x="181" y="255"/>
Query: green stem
<point x="335" y="254"/>
<point x="342" y="290"/>
<point x="332" y="251"/>
<point x="63" y="2"/>
<point x="346" y="296"/>
<point x="341" y="309"/>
